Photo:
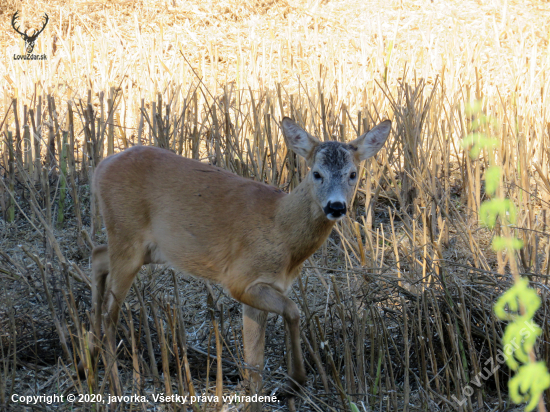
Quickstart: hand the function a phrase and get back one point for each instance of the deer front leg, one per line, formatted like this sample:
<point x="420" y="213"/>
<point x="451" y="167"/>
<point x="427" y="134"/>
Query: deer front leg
<point x="254" y="323"/>
<point x="264" y="297"/>
<point x="123" y="268"/>
<point x="100" y="270"/>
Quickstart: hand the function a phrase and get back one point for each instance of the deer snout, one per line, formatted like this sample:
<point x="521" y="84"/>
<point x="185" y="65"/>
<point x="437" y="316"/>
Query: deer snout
<point x="335" y="210"/>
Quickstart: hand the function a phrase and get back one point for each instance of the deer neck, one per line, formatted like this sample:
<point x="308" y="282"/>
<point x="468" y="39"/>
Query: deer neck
<point x="302" y="223"/>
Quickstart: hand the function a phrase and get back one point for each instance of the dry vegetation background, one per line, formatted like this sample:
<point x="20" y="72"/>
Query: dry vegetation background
<point x="397" y="306"/>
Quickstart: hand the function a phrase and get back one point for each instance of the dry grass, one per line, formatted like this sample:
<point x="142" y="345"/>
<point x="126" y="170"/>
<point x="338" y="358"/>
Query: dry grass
<point x="397" y="306"/>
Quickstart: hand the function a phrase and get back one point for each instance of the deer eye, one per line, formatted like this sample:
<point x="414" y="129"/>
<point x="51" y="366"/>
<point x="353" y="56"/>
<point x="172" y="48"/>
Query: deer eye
<point x="317" y="176"/>
<point x="353" y="175"/>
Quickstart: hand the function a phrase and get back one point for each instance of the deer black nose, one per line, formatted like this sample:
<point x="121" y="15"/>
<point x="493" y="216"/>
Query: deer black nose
<point x="335" y="210"/>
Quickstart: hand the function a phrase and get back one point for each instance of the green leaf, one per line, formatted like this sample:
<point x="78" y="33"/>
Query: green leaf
<point x="478" y="141"/>
<point x="490" y="210"/>
<point x="353" y="407"/>
<point x="520" y="339"/>
<point x="492" y="180"/>
<point x="520" y="292"/>
<point x="529" y="383"/>
<point x="506" y="243"/>
<point x="472" y="109"/>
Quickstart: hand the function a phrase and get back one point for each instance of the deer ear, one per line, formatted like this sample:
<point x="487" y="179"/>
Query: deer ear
<point x="371" y="142"/>
<point x="300" y="141"/>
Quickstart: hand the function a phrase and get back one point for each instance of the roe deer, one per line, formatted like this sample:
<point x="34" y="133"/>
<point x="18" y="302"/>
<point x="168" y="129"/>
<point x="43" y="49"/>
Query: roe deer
<point x="250" y="237"/>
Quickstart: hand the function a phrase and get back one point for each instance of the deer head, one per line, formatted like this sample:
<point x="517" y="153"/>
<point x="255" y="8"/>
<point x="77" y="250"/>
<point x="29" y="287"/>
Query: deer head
<point x="29" y="39"/>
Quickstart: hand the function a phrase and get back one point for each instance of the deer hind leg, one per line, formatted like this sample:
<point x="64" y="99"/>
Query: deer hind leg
<point x="254" y="323"/>
<point x="264" y="297"/>
<point x="100" y="270"/>
<point x="124" y="266"/>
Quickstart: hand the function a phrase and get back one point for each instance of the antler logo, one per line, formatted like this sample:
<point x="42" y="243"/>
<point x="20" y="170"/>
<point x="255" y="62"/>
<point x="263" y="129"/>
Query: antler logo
<point x="29" y="39"/>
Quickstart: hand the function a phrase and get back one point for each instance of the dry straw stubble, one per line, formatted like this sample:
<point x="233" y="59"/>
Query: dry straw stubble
<point x="397" y="305"/>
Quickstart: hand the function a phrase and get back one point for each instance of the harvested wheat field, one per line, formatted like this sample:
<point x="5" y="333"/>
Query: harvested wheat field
<point x="396" y="306"/>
